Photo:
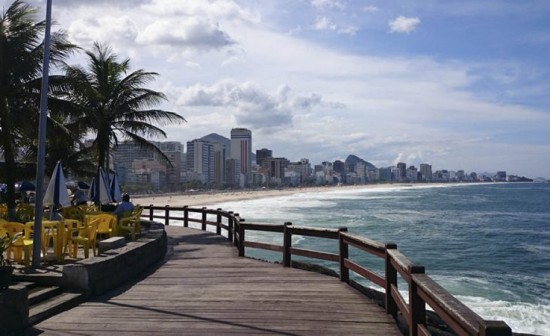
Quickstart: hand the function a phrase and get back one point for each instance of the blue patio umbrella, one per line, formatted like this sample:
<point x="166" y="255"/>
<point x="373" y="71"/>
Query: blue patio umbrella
<point x="99" y="191"/>
<point x="116" y="194"/>
<point x="24" y="186"/>
<point x="56" y="194"/>
<point x="78" y="184"/>
<point x="83" y="185"/>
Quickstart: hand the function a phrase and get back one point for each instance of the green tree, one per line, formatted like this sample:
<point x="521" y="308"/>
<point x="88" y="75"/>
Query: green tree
<point x="21" y="59"/>
<point x="113" y="103"/>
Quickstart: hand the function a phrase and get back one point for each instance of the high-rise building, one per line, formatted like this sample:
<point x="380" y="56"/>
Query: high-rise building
<point x="402" y="171"/>
<point x="262" y="155"/>
<point x="200" y="160"/>
<point x="426" y="171"/>
<point x="412" y="174"/>
<point x="339" y="166"/>
<point x="241" y="150"/>
<point x="174" y="152"/>
<point x="126" y="153"/>
<point x="302" y="169"/>
<point x="221" y="154"/>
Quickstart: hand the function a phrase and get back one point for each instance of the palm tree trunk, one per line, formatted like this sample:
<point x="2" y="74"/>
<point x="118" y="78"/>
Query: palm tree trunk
<point x="9" y="159"/>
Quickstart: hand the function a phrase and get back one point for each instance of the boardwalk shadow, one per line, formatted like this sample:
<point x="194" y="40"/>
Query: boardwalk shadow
<point x="195" y="317"/>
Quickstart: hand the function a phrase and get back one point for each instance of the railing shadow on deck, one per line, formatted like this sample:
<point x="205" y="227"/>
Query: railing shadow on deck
<point x="422" y="290"/>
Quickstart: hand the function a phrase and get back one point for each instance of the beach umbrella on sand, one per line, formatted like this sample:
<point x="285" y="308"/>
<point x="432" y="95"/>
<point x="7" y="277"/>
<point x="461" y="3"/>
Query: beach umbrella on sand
<point x="116" y="194"/>
<point x="99" y="191"/>
<point x="57" y="195"/>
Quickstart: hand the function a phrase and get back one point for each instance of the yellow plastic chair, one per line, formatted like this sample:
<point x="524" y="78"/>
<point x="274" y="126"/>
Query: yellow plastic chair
<point x="24" y="212"/>
<point x="3" y="211"/>
<point x="52" y="234"/>
<point x="131" y="224"/>
<point x="22" y="247"/>
<point x="86" y="237"/>
<point x="3" y="232"/>
<point x="106" y="224"/>
<point x="90" y="209"/>
<point x="73" y="212"/>
<point x="70" y="226"/>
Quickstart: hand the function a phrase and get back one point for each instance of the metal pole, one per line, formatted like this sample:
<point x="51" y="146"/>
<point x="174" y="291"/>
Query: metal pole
<point x="38" y="207"/>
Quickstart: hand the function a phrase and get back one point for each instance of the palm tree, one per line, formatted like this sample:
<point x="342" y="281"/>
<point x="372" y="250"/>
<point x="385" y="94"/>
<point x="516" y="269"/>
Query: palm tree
<point x="21" y="57"/>
<point x="113" y="103"/>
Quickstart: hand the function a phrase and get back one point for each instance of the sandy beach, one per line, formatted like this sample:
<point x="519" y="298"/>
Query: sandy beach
<point x="210" y="198"/>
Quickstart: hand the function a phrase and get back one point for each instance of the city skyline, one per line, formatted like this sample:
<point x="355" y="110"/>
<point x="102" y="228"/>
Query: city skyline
<point x="214" y="161"/>
<point x="460" y="85"/>
<point x="274" y="154"/>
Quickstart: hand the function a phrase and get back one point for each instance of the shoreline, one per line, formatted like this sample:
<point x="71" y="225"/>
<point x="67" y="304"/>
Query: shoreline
<point x="210" y="198"/>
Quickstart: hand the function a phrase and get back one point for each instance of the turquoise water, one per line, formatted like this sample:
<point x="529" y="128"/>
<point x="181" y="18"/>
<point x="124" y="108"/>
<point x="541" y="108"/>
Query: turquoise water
<point x="488" y="244"/>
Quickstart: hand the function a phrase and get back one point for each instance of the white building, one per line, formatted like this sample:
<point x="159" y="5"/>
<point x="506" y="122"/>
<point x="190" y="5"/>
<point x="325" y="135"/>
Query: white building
<point x="200" y="160"/>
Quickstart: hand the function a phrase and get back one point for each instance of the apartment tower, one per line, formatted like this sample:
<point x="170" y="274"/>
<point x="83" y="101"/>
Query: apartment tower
<point x="241" y="149"/>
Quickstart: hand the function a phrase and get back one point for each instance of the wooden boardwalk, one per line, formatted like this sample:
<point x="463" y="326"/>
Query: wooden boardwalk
<point x="204" y="288"/>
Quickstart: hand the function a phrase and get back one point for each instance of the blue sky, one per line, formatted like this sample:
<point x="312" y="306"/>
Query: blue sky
<point x="457" y="84"/>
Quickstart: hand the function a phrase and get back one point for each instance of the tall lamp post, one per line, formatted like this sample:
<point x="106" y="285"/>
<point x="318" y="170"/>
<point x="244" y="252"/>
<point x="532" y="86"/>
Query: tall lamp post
<point x="39" y="207"/>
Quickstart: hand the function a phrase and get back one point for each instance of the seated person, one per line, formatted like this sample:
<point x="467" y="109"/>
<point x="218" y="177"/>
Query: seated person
<point x="124" y="207"/>
<point x="80" y="197"/>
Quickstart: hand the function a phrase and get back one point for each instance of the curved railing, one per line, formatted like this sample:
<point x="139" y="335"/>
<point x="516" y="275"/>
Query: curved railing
<point x="422" y="290"/>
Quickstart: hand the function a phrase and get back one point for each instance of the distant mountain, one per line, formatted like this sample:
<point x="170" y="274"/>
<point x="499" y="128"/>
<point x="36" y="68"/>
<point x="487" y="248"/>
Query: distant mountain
<point x="215" y="137"/>
<point x="353" y="160"/>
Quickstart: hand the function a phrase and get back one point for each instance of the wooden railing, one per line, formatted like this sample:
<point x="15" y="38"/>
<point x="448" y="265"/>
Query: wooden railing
<point x="422" y="290"/>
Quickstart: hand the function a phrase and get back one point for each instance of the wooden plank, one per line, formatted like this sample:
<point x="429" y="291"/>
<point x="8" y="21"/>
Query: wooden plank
<point x="314" y="254"/>
<point x="205" y="288"/>
<point x="365" y="244"/>
<point x="366" y="273"/>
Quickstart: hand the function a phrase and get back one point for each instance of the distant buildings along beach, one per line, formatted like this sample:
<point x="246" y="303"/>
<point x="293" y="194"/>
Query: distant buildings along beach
<point x="215" y="161"/>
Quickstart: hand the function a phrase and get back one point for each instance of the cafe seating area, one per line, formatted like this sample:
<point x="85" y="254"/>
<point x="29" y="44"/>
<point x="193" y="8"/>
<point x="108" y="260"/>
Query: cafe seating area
<point x="74" y="236"/>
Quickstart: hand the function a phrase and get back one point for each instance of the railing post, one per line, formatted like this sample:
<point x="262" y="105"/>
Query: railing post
<point x="391" y="279"/>
<point x="230" y="227"/>
<point x="241" y="238"/>
<point x="417" y="306"/>
<point x="219" y="221"/>
<point x="344" y="254"/>
<point x="185" y="216"/>
<point x="236" y="230"/>
<point x="203" y="224"/>
<point x="494" y="328"/>
<point x="151" y="212"/>
<point x="167" y="215"/>
<point x="287" y="244"/>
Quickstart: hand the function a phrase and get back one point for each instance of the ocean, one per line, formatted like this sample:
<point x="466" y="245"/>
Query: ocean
<point x="487" y="244"/>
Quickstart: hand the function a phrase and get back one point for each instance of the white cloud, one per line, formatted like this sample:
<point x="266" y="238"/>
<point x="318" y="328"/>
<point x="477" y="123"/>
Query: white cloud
<point x="370" y="9"/>
<point x="215" y="10"/>
<point x="190" y="64"/>
<point x="403" y="24"/>
<point x="249" y="105"/>
<point x="324" y="23"/>
<point x="188" y="33"/>
<point x="222" y="67"/>
<point x="331" y="4"/>
<point x="85" y="31"/>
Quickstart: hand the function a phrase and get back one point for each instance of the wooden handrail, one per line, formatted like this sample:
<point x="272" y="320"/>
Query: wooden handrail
<point x="422" y="289"/>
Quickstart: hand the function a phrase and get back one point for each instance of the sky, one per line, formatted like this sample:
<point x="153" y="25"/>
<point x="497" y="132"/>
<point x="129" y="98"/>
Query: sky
<point x="461" y="85"/>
